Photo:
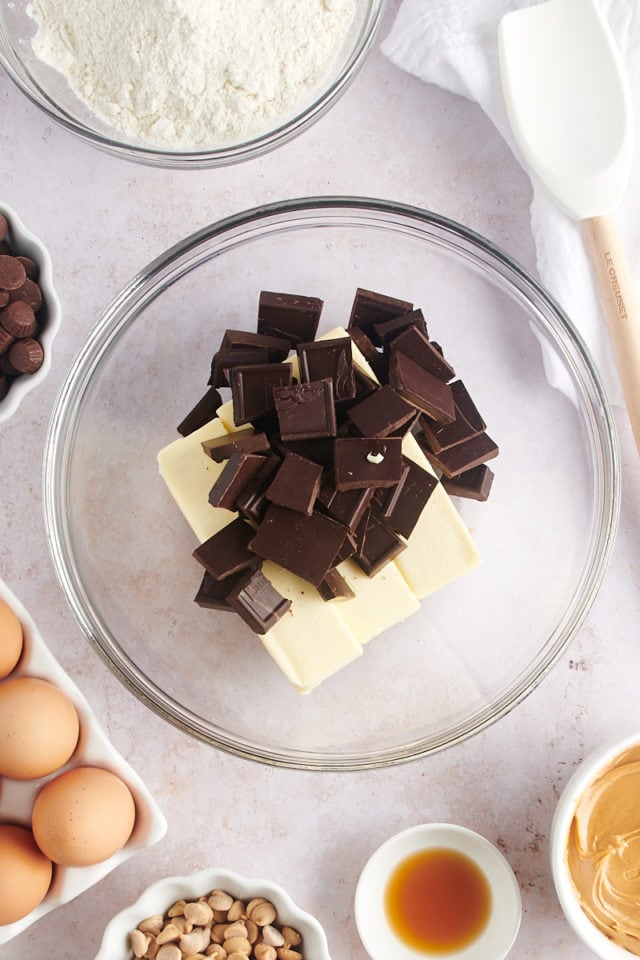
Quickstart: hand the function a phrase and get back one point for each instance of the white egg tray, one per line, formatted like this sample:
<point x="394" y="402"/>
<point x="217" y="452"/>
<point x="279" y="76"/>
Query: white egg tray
<point x="93" y="749"/>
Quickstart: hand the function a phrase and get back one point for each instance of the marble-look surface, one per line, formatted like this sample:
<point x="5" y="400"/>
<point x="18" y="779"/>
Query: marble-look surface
<point x="103" y="219"/>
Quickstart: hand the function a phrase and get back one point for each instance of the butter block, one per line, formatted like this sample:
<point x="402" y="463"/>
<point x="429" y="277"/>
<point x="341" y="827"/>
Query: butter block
<point x="440" y="548"/>
<point x="379" y="602"/>
<point x="189" y="474"/>
<point x="311" y="641"/>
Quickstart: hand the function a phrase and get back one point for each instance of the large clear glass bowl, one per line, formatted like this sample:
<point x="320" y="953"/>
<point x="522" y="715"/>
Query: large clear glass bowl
<point x="122" y="550"/>
<point x="49" y="90"/>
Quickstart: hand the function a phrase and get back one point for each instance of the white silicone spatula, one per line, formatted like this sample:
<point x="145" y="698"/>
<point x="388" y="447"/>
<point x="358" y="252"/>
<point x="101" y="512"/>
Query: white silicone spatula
<point x="569" y="107"/>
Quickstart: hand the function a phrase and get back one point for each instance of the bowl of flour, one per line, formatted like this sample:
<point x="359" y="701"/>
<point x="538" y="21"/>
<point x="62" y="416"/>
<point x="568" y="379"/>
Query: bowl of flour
<point x="186" y="83"/>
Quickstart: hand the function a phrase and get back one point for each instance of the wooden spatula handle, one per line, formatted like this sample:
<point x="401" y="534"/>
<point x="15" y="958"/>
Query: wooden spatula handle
<point x="621" y="305"/>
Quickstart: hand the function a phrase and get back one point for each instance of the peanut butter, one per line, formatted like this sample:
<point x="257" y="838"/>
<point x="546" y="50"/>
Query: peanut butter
<point x="604" y="851"/>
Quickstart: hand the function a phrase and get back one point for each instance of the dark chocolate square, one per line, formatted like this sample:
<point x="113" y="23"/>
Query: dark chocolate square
<point x="306" y="410"/>
<point x="257" y="601"/>
<point x="415" y="345"/>
<point x="306" y="546"/>
<point x="370" y="308"/>
<point x="296" y="484"/>
<point x="377" y="547"/>
<point x="290" y="316"/>
<point x="252" y="389"/>
<point x="240" y="441"/>
<point x="332" y="359"/>
<point x="236" y="474"/>
<point x="367" y="462"/>
<point x="421" y="388"/>
<point x="203" y="412"/>
<point x="381" y="413"/>
<point x="227" y="551"/>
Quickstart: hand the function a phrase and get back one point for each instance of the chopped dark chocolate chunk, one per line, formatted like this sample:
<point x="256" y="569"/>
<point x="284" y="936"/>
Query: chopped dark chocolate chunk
<point x="367" y="462"/>
<point x="241" y="441"/>
<point x="381" y="413"/>
<point x="365" y="386"/>
<point x="306" y="546"/>
<point x="370" y="308"/>
<point x="421" y="388"/>
<point x="418" y="348"/>
<point x="204" y="410"/>
<point x="468" y="422"/>
<point x="251" y="502"/>
<point x="347" y="549"/>
<point x="236" y="474"/>
<point x="227" y="551"/>
<point x="332" y="359"/>
<point x="296" y="484"/>
<point x="474" y="484"/>
<point x="257" y="601"/>
<point x="464" y="456"/>
<point x="335" y="587"/>
<point x="378" y="545"/>
<point x="277" y="347"/>
<point x="286" y="315"/>
<point x="224" y="360"/>
<point x="402" y="512"/>
<point x="345" y="506"/>
<point x="306" y="410"/>
<point x="365" y="345"/>
<point x="252" y="389"/>
<point x="318" y="449"/>
<point x="212" y="594"/>
<point x="389" y="329"/>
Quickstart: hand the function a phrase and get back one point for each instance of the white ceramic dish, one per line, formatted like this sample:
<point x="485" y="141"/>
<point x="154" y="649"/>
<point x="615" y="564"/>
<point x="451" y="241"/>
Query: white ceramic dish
<point x="26" y="244"/>
<point x="94" y="748"/>
<point x="585" y="774"/>
<point x="157" y="898"/>
<point x="375" y="932"/>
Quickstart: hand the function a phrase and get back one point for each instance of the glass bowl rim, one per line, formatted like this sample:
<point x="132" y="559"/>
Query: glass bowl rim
<point x="61" y="437"/>
<point x="217" y="156"/>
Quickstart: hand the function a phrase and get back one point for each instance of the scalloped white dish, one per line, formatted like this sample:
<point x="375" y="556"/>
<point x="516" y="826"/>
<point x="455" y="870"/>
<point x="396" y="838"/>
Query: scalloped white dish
<point x="157" y="898"/>
<point x="27" y="244"/>
<point x="94" y="748"/>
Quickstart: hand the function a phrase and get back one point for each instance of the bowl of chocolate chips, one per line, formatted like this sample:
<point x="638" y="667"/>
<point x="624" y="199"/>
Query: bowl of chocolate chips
<point x="30" y="312"/>
<point x="344" y="484"/>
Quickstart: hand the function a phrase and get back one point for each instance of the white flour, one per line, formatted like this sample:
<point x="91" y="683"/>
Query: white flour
<point x="189" y="73"/>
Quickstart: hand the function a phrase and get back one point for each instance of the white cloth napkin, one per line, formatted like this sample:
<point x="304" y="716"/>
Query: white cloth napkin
<point x="454" y="44"/>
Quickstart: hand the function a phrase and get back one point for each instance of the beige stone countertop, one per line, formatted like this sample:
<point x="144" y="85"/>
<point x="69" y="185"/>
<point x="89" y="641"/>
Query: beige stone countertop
<point x="103" y="219"/>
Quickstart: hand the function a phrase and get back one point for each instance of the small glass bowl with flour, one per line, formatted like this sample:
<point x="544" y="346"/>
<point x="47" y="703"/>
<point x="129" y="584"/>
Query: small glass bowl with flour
<point x="186" y="83"/>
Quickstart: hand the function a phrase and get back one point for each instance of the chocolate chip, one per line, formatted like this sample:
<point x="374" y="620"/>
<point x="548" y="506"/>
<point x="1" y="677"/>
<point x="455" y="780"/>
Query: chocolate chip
<point x="12" y="273"/>
<point x="26" y="356"/>
<point x="19" y="320"/>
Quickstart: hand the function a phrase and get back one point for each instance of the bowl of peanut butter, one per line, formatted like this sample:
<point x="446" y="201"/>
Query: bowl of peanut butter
<point x="595" y="849"/>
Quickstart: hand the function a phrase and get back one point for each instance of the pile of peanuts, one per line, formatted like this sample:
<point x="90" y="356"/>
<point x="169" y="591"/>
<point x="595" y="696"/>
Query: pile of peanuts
<point x="217" y="926"/>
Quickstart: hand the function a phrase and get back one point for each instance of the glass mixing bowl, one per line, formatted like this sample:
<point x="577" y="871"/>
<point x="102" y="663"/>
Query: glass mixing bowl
<point x="49" y="90"/>
<point x="122" y="550"/>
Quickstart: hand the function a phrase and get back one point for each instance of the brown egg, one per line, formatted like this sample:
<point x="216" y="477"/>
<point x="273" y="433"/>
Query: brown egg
<point x="83" y="817"/>
<point x="10" y="639"/>
<point x="39" y="728"/>
<point x="25" y="873"/>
